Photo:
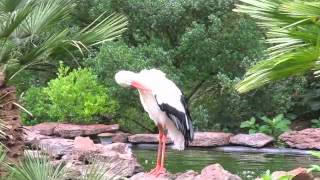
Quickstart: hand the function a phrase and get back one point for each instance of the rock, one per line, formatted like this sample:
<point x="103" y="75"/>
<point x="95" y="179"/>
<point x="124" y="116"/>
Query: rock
<point x="68" y="130"/>
<point x="304" y="139"/>
<point x="84" y="144"/>
<point x="71" y="130"/>
<point x="120" y="137"/>
<point x="118" y="147"/>
<point x="297" y="174"/>
<point x="145" y="138"/>
<point x="31" y="137"/>
<point x="206" y="139"/>
<point x="45" y="128"/>
<point x="99" y="128"/>
<point x="201" y="139"/>
<point x="146" y="176"/>
<point x="189" y="175"/>
<point x="216" y="172"/>
<point x="56" y="147"/>
<point x="120" y="157"/>
<point x="252" y="140"/>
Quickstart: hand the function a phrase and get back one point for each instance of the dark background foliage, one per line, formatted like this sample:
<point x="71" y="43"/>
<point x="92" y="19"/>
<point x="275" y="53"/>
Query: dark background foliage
<point x="202" y="45"/>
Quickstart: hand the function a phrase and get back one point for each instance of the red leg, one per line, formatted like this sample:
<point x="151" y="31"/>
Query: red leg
<point x="162" y="169"/>
<point x="153" y="171"/>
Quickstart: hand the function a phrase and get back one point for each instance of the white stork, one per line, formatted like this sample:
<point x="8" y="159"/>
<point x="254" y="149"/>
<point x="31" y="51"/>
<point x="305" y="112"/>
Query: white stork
<point x="166" y="106"/>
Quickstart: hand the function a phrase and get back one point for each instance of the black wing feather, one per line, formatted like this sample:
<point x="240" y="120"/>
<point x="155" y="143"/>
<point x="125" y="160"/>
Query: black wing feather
<point x="179" y="118"/>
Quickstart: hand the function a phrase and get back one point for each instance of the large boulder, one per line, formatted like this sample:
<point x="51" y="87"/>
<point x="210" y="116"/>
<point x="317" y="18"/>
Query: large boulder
<point x="116" y="158"/>
<point x="211" y="172"/>
<point x="189" y="175"/>
<point x="201" y="139"/>
<point x="304" y="139"/>
<point x="253" y="140"/>
<point x="216" y="172"/>
<point x="71" y="130"/>
<point x="120" y="137"/>
<point x="147" y="176"/>
<point x="145" y="138"/>
<point x="45" y="128"/>
<point x="207" y="139"/>
<point x="57" y="147"/>
<point x="32" y="137"/>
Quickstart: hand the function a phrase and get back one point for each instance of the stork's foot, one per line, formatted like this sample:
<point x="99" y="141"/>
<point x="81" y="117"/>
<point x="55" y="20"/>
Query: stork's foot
<point x="154" y="170"/>
<point x="160" y="171"/>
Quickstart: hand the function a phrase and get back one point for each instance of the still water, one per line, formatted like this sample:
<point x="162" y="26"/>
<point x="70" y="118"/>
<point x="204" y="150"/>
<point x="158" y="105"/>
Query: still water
<point x="245" y="164"/>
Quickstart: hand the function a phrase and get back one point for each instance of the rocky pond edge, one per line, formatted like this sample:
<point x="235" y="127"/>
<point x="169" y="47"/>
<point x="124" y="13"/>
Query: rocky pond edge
<point x="72" y="144"/>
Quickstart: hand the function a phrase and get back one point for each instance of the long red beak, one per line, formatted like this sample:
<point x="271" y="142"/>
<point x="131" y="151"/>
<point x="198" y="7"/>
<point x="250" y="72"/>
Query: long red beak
<point x="139" y="86"/>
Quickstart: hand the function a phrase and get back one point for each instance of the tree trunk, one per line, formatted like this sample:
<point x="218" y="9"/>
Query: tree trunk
<point x="10" y="115"/>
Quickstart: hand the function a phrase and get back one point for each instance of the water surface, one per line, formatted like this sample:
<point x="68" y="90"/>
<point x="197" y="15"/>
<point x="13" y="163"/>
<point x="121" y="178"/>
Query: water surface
<point x="245" y="164"/>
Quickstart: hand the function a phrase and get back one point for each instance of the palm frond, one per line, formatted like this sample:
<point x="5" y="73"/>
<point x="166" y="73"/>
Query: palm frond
<point x="293" y="32"/>
<point x="47" y="14"/>
<point x="283" y="66"/>
<point x="12" y="20"/>
<point x="101" y="30"/>
<point x="45" y="49"/>
<point x="7" y="6"/>
<point x="2" y="131"/>
<point x="37" y="166"/>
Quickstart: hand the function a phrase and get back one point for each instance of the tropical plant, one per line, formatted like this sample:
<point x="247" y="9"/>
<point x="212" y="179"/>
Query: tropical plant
<point x="74" y="96"/>
<point x="268" y="176"/>
<point x="35" y="34"/>
<point x="314" y="167"/>
<point x="37" y="165"/>
<point x="273" y="127"/>
<point x="294" y="34"/>
<point x="315" y="123"/>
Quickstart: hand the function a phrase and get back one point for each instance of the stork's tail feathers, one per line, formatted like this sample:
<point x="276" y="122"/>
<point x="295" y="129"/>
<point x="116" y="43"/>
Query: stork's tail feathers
<point x="177" y="138"/>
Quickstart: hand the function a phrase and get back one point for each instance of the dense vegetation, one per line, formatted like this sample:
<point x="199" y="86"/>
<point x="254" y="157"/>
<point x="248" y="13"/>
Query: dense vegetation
<point x="62" y="55"/>
<point x="203" y="46"/>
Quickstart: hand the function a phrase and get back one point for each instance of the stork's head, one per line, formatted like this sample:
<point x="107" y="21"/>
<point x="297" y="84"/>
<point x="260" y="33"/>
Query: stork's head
<point x="145" y="80"/>
<point x="125" y="78"/>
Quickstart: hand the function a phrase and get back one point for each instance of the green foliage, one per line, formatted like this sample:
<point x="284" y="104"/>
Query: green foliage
<point x="267" y="176"/>
<point x="293" y="32"/>
<point x="315" y="123"/>
<point x="35" y="35"/>
<point x="36" y="166"/>
<point x="273" y="127"/>
<point x="204" y="47"/>
<point x="73" y="96"/>
<point x="314" y="167"/>
<point x="36" y="101"/>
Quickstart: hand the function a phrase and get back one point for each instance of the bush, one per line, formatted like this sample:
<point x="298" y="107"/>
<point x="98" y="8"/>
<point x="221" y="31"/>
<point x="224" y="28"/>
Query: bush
<point x="273" y="127"/>
<point x="73" y="96"/>
<point x="36" y="101"/>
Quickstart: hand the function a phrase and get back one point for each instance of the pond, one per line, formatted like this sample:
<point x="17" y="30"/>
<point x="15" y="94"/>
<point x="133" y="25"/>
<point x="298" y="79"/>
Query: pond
<point x="246" y="164"/>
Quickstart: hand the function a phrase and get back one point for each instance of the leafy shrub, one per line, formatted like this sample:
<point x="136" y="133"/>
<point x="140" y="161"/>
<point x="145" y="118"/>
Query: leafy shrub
<point x="268" y="176"/>
<point x="273" y="127"/>
<point x="315" y="123"/>
<point x="73" y="96"/>
<point x="36" y="101"/>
